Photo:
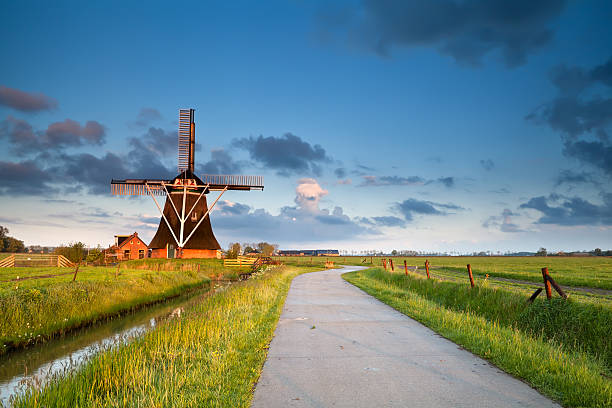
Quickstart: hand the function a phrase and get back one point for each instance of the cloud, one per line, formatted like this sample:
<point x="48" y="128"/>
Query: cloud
<point x="572" y="211"/>
<point x="389" y="221"/>
<point x="487" y="164"/>
<point x="465" y="30"/>
<point x="24" y="178"/>
<point x="220" y="163"/>
<point x="157" y="141"/>
<point x="308" y="194"/>
<point x="304" y="222"/>
<point x="24" y="101"/>
<point x="581" y="113"/>
<point x="503" y="222"/>
<point x="448" y="182"/>
<point x="408" y="208"/>
<point x="59" y="135"/>
<point x="340" y="172"/>
<point x="288" y="154"/>
<point x="375" y="181"/>
<point x="572" y="178"/>
<point x="146" y="117"/>
<point x="345" y="182"/>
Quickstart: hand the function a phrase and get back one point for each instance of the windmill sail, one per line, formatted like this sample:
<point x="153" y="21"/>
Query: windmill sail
<point x="186" y="140"/>
<point x="185" y="223"/>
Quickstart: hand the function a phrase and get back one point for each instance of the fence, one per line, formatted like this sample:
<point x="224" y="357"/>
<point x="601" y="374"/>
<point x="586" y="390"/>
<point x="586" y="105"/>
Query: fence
<point x="35" y="260"/>
<point x="549" y="282"/>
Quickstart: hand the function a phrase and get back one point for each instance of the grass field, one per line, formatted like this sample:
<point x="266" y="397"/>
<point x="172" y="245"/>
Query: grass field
<point x="562" y="348"/>
<point x="34" y="310"/>
<point x="594" y="272"/>
<point x="211" y="356"/>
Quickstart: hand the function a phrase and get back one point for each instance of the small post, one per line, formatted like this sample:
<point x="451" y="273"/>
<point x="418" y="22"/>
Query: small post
<point x="406" y="267"/>
<point x="370" y="260"/>
<point x="384" y="262"/>
<point x="427" y="267"/>
<point x="391" y="263"/>
<point x="469" y="268"/>
<point x="75" y="273"/>
<point x="535" y="295"/>
<point x="546" y="283"/>
<point x="117" y="271"/>
<point x="556" y="286"/>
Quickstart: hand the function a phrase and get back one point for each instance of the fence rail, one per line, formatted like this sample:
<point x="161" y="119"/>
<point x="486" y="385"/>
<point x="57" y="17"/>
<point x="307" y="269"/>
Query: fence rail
<point x="33" y="260"/>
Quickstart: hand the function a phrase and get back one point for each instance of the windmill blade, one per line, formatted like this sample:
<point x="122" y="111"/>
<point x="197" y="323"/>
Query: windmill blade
<point x="218" y="182"/>
<point x="138" y="187"/>
<point x="186" y="140"/>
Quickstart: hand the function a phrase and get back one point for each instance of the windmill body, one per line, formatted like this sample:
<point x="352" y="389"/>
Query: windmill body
<point x="184" y="228"/>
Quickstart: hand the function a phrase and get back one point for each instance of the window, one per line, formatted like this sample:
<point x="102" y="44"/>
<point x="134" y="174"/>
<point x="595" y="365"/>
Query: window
<point x="131" y="242"/>
<point x="141" y="254"/>
<point x="126" y="254"/>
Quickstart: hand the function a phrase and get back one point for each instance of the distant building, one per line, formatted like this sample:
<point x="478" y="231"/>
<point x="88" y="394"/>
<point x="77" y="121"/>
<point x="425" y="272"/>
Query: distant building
<point x="308" y="252"/>
<point x="126" y="247"/>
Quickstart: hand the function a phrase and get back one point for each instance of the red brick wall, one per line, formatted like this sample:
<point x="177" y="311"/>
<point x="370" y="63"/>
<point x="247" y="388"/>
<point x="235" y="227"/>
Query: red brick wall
<point x="134" y="244"/>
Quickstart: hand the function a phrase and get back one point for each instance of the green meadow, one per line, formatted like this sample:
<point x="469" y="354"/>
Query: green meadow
<point x="35" y="310"/>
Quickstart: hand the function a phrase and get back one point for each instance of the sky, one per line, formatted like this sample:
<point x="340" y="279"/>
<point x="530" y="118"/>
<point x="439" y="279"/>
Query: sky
<point x="444" y="125"/>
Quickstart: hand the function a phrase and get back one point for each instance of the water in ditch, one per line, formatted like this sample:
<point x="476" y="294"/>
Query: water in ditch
<point x="31" y="366"/>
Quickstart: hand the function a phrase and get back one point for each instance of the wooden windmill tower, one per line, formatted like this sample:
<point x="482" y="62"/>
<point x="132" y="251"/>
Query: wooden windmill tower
<point x="184" y="229"/>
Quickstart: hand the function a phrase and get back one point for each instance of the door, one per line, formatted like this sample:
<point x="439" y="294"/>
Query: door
<point x="170" y="251"/>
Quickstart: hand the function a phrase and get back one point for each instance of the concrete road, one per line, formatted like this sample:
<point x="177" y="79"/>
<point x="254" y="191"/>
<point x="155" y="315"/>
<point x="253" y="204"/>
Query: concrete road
<point x="336" y="346"/>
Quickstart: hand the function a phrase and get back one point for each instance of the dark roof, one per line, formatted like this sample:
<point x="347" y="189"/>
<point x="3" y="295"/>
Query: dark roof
<point x="203" y="238"/>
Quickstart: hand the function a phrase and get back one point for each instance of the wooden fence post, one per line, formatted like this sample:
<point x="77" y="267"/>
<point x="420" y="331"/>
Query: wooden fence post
<point x="117" y="271"/>
<point x="427" y="267"/>
<point x="405" y="267"/>
<point x="371" y="261"/>
<point x="75" y="273"/>
<point x="469" y="268"/>
<point x="554" y="284"/>
<point x="384" y="262"/>
<point x="546" y="283"/>
<point x="535" y="295"/>
<point x="392" y="266"/>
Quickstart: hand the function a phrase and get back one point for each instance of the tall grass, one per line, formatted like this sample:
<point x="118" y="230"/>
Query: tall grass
<point x="37" y="309"/>
<point x="562" y="348"/>
<point x="211" y="356"/>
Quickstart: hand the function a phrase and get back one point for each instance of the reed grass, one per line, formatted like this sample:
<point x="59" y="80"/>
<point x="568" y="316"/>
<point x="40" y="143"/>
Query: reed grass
<point x="35" y="310"/>
<point x="561" y="348"/>
<point x="210" y="357"/>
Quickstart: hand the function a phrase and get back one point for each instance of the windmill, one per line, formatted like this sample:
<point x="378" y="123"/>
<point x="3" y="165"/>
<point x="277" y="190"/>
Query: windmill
<point x="184" y="228"/>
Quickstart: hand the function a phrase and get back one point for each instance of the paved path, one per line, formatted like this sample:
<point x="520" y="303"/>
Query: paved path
<point x="336" y="346"/>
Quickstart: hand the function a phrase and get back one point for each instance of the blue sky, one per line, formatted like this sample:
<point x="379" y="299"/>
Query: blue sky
<point x="440" y="125"/>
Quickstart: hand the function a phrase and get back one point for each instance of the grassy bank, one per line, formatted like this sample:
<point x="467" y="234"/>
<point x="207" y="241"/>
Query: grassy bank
<point x="562" y="348"/>
<point x="36" y="309"/>
<point x="594" y="272"/>
<point x="211" y="356"/>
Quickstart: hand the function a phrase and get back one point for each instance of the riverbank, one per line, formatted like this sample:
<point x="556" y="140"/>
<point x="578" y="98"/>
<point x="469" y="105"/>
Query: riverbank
<point x="211" y="356"/>
<point x="35" y="310"/>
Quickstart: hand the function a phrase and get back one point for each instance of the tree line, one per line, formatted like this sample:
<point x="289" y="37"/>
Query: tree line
<point x="236" y="249"/>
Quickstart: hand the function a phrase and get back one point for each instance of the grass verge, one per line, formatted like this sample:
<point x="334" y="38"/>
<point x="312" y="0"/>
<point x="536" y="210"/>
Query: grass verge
<point x="211" y="356"/>
<point x="528" y="342"/>
<point x="35" y="310"/>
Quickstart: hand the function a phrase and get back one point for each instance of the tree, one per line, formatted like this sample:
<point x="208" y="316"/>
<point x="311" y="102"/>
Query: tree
<point x="75" y="251"/>
<point x="541" y="252"/>
<point x="9" y="244"/>
<point x="394" y="252"/>
<point x="248" y="249"/>
<point x="233" y="251"/>
<point x="266" y="249"/>
<point x="94" y="255"/>
<point x="597" y="252"/>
